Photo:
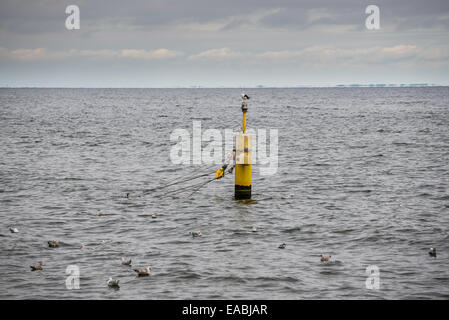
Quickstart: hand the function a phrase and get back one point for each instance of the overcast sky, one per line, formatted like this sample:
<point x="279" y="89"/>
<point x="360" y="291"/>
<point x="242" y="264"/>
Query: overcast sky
<point x="232" y="43"/>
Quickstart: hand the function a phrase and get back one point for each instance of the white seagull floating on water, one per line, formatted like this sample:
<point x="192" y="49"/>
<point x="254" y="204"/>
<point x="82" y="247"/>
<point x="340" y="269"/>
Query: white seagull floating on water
<point x="113" y="283"/>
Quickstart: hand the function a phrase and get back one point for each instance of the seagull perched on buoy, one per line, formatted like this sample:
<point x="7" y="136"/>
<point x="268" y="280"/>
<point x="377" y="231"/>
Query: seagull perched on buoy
<point x="245" y="96"/>
<point x="282" y="246"/>
<point x="126" y="262"/>
<point x="324" y="258"/>
<point x="13" y="230"/>
<point x="37" y="267"/>
<point x="433" y="252"/>
<point x="113" y="283"/>
<point x="196" y="234"/>
<point x="143" y="272"/>
<point x="53" y="244"/>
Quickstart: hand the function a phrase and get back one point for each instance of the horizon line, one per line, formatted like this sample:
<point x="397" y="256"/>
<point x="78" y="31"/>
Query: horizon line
<point x="377" y="85"/>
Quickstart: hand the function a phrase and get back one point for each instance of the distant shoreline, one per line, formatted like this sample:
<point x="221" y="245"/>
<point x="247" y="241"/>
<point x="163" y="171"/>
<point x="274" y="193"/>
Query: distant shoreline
<point x="256" y="87"/>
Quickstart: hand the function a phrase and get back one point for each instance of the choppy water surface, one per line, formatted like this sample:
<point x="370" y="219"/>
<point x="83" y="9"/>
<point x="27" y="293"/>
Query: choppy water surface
<point x="363" y="175"/>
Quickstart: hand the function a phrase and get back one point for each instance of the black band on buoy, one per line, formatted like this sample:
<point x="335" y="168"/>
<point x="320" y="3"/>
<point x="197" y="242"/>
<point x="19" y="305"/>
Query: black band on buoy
<point x="242" y="192"/>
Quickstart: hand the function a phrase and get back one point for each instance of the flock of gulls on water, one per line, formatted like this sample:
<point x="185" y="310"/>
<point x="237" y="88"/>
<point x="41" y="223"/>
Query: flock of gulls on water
<point x="145" y="272"/>
<point x="112" y="283"/>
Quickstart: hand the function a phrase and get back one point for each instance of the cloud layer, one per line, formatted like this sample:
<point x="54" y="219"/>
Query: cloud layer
<point x="325" y="54"/>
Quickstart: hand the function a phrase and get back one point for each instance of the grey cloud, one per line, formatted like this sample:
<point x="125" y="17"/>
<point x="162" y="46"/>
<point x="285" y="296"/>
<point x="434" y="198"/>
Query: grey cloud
<point x="44" y="15"/>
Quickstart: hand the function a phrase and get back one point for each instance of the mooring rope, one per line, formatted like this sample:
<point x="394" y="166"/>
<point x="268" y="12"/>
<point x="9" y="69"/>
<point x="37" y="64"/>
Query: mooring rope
<point x="175" y="183"/>
<point x="201" y="186"/>
<point x="180" y="190"/>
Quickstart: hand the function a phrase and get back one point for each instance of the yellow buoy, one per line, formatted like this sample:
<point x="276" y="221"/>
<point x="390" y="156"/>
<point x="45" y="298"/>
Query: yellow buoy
<point x="243" y="160"/>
